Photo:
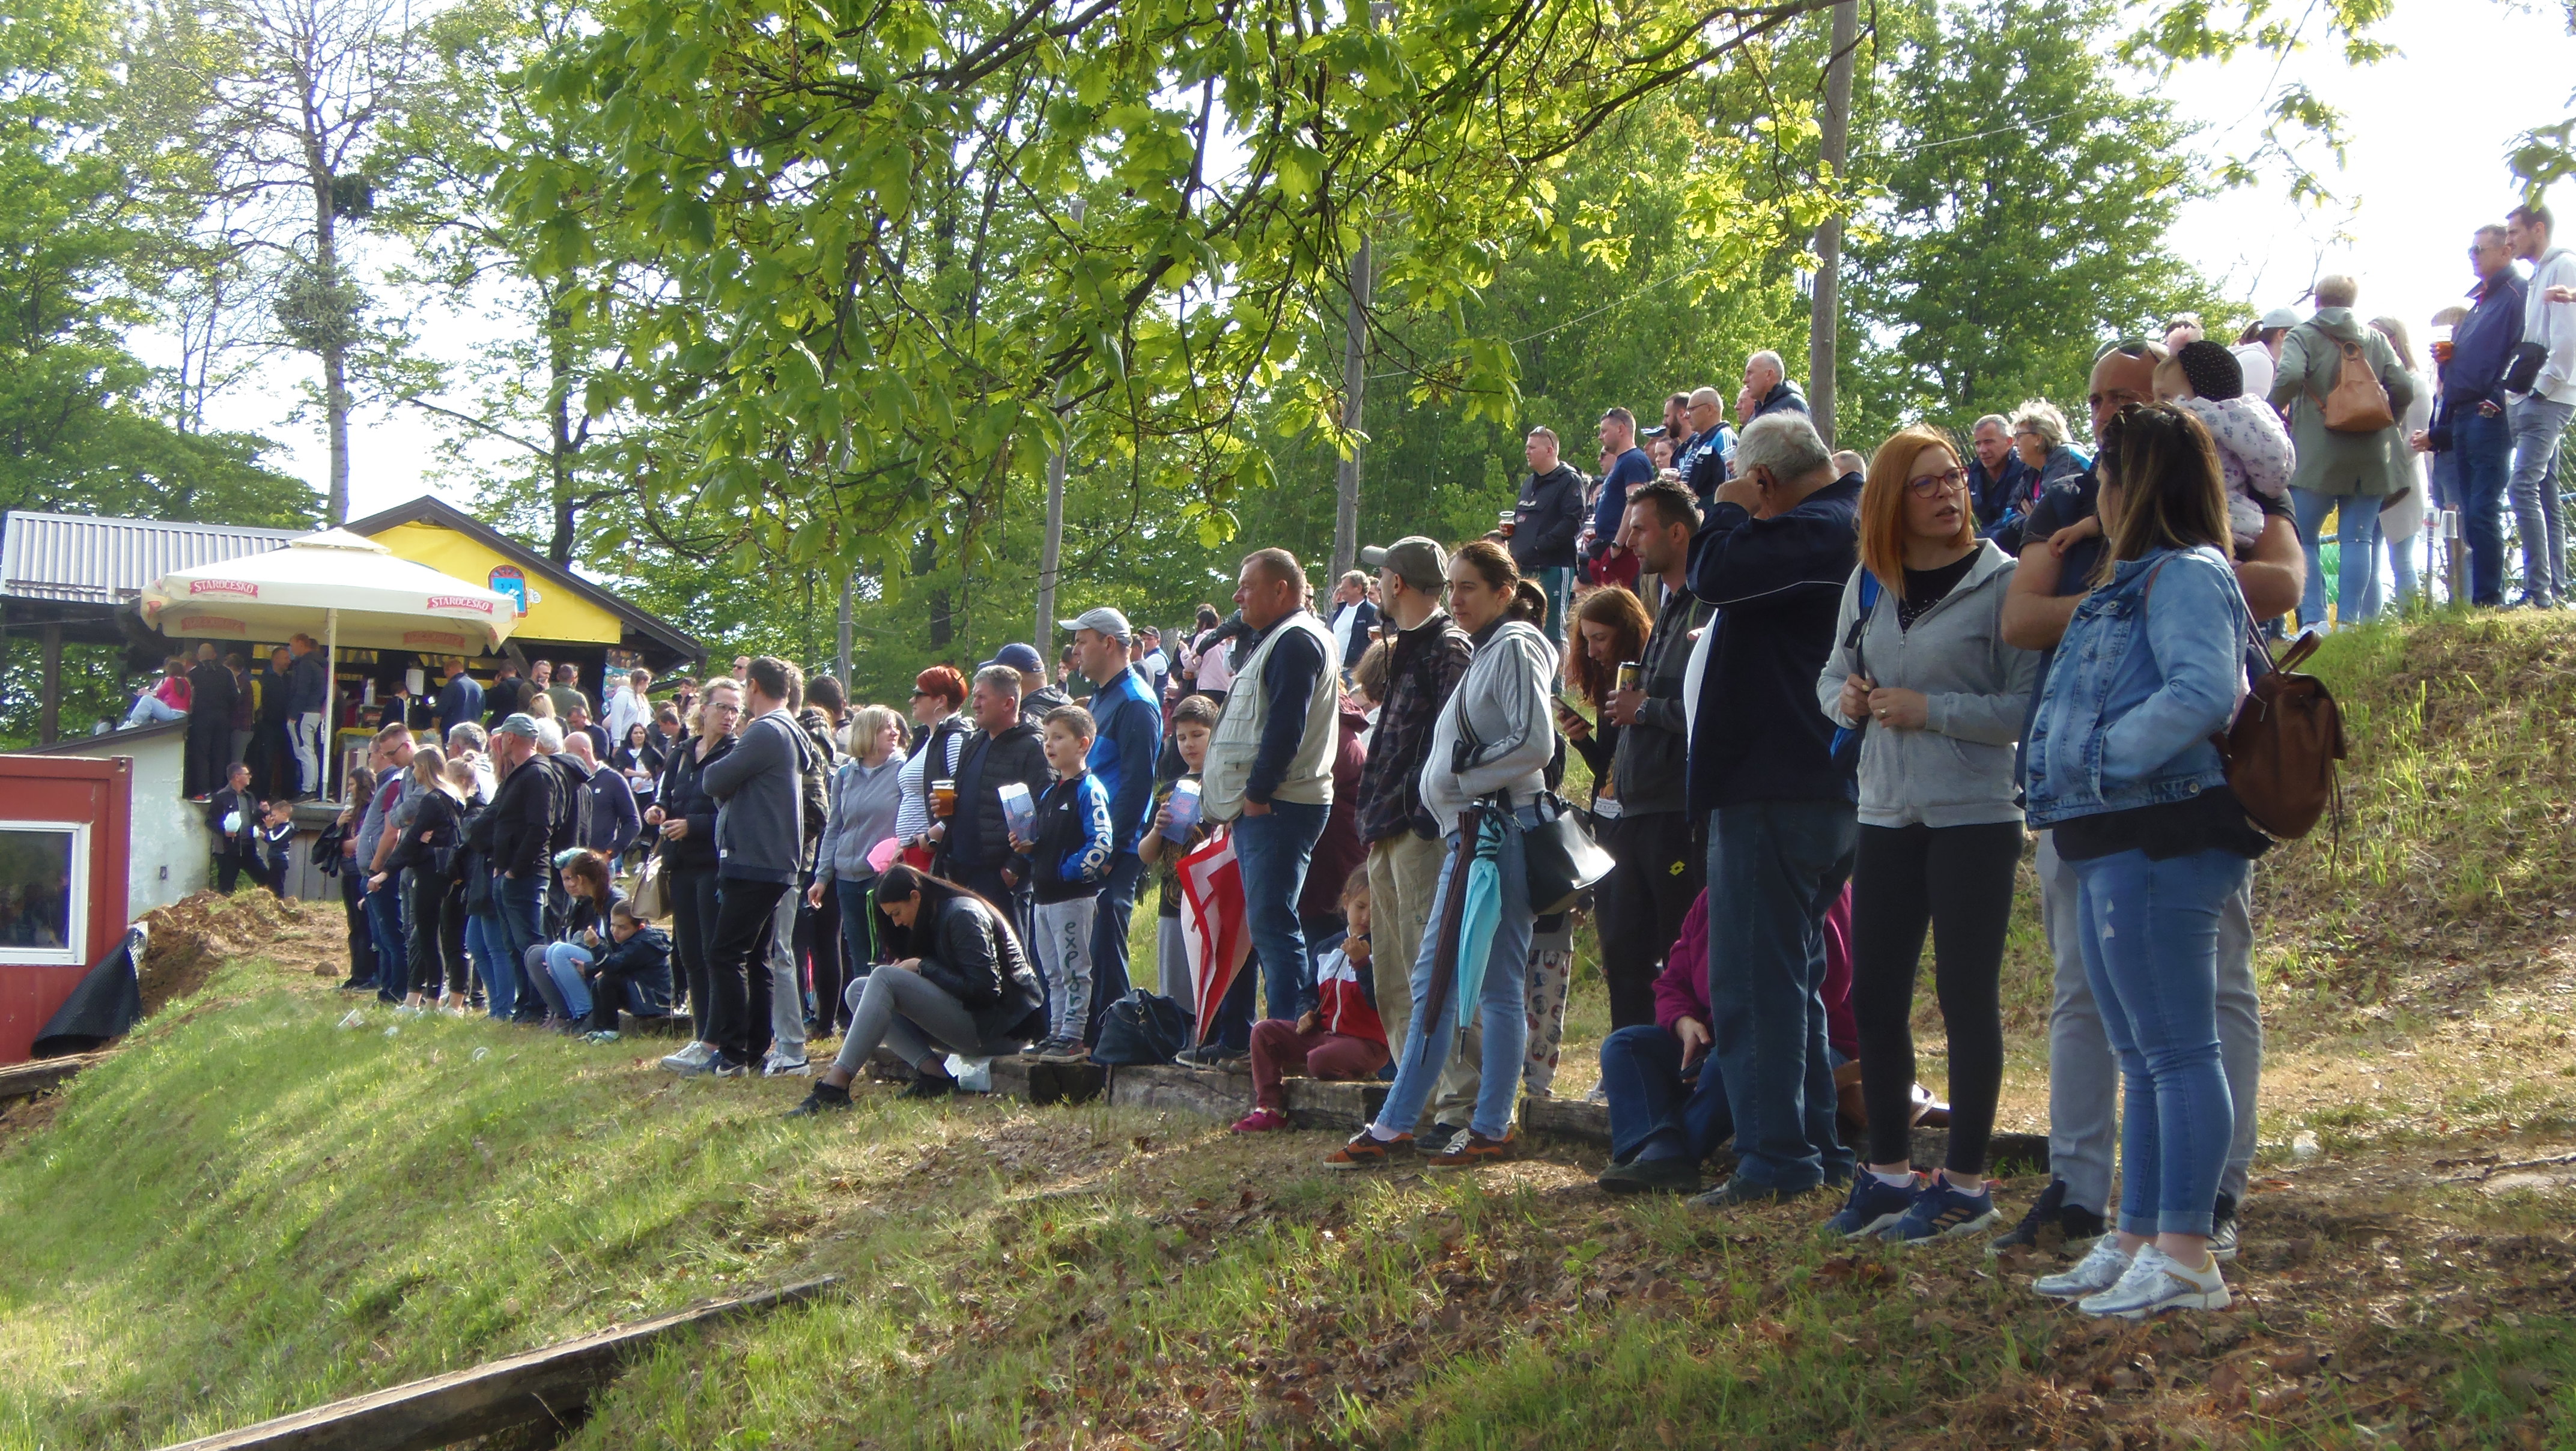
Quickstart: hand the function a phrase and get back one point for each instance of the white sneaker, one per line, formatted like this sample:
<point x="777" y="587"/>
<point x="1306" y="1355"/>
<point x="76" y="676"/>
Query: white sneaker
<point x="692" y="1059"/>
<point x="2156" y="1281"/>
<point x="2099" y="1270"/>
<point x="774" y="1066"/>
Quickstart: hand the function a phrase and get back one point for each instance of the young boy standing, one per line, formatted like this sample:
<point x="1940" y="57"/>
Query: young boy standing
<point x="1070" y="843"/>
<point x="1193" y="721"/>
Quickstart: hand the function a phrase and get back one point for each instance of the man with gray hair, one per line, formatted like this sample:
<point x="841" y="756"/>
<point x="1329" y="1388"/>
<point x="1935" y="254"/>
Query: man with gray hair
<point x="1704" y="460"/>
<point x="2000" y="484"/>
<point x="1778" y="546"/>
<point x="1766" y="383"/>
<point x="1128" y="735"/>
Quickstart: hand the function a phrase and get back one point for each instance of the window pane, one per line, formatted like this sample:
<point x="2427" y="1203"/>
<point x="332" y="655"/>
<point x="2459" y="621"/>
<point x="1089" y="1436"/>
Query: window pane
<point x="35" y="888"/>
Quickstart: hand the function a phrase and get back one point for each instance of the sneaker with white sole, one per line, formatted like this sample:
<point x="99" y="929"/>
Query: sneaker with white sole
<point x="2222" y="1230"/>
<point x="2157" y="1282"/>
<point x="774" y="1066"/>
<point x="1941" y="1210"/>
<point x="2099" y="1270"/>
<point x="691" y="1060"/>
<point x="1872" y="1205"/>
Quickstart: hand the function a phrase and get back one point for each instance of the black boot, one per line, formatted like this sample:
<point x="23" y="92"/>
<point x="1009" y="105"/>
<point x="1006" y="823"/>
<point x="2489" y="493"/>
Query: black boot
<point x="821" y="1098"/>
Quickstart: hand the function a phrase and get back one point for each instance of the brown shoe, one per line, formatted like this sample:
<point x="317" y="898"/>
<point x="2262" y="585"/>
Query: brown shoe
<point x="1472" y="1150"/>
<point x="1367" y="1151"/>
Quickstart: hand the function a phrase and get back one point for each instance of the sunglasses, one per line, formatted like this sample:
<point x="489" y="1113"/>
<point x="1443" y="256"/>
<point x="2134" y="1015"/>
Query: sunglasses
<point x="1933" y="486"/>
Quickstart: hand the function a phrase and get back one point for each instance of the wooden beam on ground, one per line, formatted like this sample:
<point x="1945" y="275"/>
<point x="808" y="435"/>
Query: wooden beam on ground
<point x="26" y="1080"/>
<point x="541" y="1385"/>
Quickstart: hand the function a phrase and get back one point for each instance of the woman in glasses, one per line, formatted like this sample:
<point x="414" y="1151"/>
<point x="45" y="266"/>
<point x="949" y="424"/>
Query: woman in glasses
<point x="1921" y="672"/>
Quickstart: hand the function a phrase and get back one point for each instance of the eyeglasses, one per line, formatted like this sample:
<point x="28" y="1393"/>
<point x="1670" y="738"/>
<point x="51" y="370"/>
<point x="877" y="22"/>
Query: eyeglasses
<point x="1933" y="486"/>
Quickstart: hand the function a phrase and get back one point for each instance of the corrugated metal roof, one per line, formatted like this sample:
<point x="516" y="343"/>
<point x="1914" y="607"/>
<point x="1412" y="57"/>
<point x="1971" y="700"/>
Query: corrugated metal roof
<point x="86" y="559"/>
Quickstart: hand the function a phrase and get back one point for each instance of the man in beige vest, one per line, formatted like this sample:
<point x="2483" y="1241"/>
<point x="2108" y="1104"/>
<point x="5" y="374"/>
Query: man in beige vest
<point x="1270" y="775"/>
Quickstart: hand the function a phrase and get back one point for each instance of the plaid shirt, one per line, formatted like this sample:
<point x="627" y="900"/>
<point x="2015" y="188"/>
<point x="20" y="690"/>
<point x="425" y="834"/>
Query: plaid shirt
<point x="1425" y="664"/>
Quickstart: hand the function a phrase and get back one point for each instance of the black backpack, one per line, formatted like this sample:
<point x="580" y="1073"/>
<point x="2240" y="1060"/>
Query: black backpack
<point x="1139" y="1029"/>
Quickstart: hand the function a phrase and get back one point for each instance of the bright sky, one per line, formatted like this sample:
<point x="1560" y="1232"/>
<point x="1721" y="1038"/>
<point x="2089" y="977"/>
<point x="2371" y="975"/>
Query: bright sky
<point x="2430" y="129"/>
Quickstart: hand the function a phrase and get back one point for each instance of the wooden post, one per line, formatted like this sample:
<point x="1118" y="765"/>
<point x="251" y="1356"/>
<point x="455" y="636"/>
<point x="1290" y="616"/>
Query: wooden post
<point x="1824" y="315"/>
<point x="49" y="705"/>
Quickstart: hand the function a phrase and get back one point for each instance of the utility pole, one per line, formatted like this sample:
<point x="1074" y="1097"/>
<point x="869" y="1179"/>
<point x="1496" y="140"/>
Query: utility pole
<point x="1051" y="552"/>
<point x="1824" y="315"/>
<point x="1346" y="512"/>
<point x="841" y="635"/>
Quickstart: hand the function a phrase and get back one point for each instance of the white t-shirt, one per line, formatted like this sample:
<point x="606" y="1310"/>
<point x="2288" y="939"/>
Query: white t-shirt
<point x="2255" y="360"/>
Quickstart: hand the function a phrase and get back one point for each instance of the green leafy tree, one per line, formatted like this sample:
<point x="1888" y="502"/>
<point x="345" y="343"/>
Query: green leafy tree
<point x="2021" y="190"/>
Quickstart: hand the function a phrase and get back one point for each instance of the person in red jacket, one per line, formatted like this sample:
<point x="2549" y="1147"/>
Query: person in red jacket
<point x="1668" y="1108"/>
<point x="1337" y="1035"/>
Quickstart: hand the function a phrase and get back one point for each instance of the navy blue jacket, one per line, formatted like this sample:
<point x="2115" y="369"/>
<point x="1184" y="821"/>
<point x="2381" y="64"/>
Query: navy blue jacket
<point x="1122" y="753"/>
<point x="460" y="700"/>
<point x="2481" y="344"/>
<point x="1995" y="495"/>
<point x="1784" y="397"/>
<point x="1777" y="585"/>
<point x="306" y="684"/>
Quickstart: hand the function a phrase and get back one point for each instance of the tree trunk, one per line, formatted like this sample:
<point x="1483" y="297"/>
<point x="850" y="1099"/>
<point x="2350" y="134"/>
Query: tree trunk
<point x="1825" y="314"/>
<point x="1346" y="510"/>
<point x="841" y="634"/>
<point x="335" y="352"/>
<point x="1051" y="551"/>
<point x="560" y="447"/>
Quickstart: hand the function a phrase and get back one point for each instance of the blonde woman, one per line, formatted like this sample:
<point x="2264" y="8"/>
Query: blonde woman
<point x="428" y="852"/>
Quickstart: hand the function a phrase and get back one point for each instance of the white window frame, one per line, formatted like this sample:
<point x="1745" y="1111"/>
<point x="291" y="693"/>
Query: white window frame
<point x="71" y="953"/>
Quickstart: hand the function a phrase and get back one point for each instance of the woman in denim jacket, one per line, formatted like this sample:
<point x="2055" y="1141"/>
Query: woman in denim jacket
<point x="2122" y="768"/>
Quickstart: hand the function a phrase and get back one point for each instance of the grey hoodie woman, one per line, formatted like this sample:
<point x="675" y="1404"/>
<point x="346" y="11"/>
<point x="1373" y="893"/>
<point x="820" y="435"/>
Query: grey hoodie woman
<point x="1958" y="769"/>
<point x="1498" y="731"/>
<point x="864" y="801"/>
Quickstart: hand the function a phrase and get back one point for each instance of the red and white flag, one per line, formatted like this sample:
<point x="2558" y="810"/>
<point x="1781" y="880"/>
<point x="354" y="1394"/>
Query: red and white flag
<point x="1215" y="928"/>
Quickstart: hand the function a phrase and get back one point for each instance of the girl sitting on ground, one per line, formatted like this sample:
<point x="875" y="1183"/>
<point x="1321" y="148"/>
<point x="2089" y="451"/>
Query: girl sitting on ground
<point x="634" y="973"/>
<point x="1337" y="1036"/>
<point x="556" y="967"/>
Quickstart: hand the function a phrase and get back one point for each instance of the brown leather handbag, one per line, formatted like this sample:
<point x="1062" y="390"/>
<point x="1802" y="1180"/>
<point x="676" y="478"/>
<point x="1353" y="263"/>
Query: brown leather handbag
<point x="2281" y="749"/>
<point x="2359" y="402"/>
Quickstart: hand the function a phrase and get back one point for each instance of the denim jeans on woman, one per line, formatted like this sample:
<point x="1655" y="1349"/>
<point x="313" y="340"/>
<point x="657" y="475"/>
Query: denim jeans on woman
<point x="1503" y="997"/>
<point x="2356" y="535"/>
<point x="2151" y="951"/>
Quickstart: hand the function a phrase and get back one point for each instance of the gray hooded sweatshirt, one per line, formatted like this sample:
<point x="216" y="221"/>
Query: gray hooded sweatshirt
<point x="1503" y="714"/>
<point x="1957" y="770"/>
<point x="759" y="788"/>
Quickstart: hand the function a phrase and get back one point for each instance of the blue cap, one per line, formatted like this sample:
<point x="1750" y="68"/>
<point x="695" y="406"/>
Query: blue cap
<point x="1023" y="658"/>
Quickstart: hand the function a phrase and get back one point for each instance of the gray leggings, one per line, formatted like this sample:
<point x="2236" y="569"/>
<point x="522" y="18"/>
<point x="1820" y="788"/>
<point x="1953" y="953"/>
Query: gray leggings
<point x="912" y="1018"/>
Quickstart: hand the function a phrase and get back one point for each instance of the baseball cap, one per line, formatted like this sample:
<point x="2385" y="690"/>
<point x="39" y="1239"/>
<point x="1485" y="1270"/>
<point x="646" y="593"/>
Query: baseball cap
<point x="1023" y="658"/>
<point x="1104" y="619"/>
<point x="2279" y="317"/>
<point x="1418" y="561"/>
<point x="521" y="725"/>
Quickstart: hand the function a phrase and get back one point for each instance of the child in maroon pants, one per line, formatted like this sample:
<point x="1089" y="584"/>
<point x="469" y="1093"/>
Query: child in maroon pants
<point x="1336" y="1036"/>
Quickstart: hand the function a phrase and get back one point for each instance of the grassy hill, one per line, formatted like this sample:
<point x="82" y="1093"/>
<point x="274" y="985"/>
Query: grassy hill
<point x="252" y="1208"/>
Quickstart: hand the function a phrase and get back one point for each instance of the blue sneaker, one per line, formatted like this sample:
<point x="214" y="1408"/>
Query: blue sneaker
<point x="1941" y="1212"/>
<point x="1874" y="1205"/>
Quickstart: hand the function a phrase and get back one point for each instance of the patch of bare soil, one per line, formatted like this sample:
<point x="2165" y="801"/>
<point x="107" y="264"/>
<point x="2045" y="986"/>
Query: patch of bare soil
<point x="192" y="937"/>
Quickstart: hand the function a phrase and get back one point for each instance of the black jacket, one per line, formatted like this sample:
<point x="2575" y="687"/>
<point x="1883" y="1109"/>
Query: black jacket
<point x="571" y="803"/>
<point x="273" y="688"/>
<point x="683" y="794"/>
<point x="511" y="835"/>
<point x="979" y="837"/>
<point x="1777" y="585"/>
<point x="972" y="956"/>
<point x="644" y="958"/>
<point x="507" y="697"/>
<point x="212" y="693"/>
<point x="442" y="819"/>
<point x="1547" y="519"/>
<point x="223" y="803"/>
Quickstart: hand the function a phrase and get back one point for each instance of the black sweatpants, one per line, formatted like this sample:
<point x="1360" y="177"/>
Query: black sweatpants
<point x="738" y="967"/>
<point x="693" y="926"/>
<point x="362" y="937"/>
<point x="1639" y="907"/>
<point x="435" y="943"/>
<point x="1959" y="881"/>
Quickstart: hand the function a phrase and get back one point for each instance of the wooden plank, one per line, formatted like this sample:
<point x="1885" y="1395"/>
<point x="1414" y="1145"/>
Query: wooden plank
<point x="540" y="1385"/>
<point x="25" y="1080"/>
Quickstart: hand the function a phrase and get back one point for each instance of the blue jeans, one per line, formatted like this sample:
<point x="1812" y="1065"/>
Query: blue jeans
<point x="2150" y="939"/>
<point x="1774" y="869"/>
<point x="487" y="943"/>
<point x="2482" y="448"/>
<point x="1112" y="910"/>
<point x="2537" y="423"/>
<point x="1272" y="851"/>
<point x="521" y="906"/>
<point x="2357" y="531"/>
<point x="564" y="962"/>
<point x="1504" y="1000"/>
<point x="1655" y="1111"/>
<point x="393" y="944"/>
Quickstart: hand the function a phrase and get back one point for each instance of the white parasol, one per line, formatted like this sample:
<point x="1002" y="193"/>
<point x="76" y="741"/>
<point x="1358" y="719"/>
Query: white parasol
<point x="357" y="590"/>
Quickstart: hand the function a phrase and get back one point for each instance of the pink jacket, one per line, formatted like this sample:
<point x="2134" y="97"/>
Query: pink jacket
<point x="1681" y="989"/>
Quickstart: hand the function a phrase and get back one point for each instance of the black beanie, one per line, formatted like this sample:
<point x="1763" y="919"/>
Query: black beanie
<point x="2211" y="370"/>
